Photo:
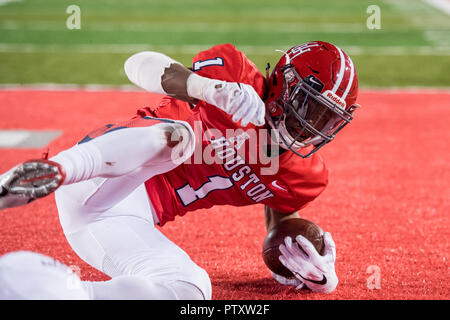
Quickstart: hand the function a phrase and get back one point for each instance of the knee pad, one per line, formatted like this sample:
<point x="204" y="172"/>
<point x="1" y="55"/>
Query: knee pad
<point x="187" y="291"/>
<point x="195" y="286"/>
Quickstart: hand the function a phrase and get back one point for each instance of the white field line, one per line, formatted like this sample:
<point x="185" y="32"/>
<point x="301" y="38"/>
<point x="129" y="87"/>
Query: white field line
<point x="192" y="27"/>
<point x="132" y="88"/>
<point x="407" y="90"/>
<point x="20" y="138"/>
<point x="5" y="2"/>
<point x="69" y="87"/>
<point x="442" y="5"/>
<point x="438" y="37"/>
<point x="194" y="49"/>
<point x="10" y="138"/>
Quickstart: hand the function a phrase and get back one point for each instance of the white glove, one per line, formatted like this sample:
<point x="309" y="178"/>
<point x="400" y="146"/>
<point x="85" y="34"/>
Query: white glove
<point x="315" y="271"/>
<point x="237" y="99"/>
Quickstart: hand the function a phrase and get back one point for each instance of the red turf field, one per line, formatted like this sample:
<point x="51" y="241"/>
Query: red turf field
<point x="386" y="205"/>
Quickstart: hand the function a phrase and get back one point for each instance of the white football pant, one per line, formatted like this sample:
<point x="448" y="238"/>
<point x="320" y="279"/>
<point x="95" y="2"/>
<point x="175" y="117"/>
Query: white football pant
<point x="26" y="275"/>
<point x="110" y="223"/>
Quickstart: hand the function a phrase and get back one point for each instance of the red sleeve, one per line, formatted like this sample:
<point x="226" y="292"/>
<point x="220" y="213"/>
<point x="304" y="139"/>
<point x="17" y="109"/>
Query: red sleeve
<point x="225" y="62"/>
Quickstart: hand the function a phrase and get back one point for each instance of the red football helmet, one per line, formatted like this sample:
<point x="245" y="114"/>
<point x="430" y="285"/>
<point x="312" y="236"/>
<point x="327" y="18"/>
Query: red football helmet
<point x="311" y="96"/>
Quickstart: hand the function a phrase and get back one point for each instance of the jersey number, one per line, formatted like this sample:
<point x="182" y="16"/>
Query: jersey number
<point x="189" y="195"/>
<point x="200" y="64"/>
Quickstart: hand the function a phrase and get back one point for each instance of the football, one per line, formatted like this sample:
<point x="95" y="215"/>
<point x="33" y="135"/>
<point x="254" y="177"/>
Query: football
<point x="292" y="228"/>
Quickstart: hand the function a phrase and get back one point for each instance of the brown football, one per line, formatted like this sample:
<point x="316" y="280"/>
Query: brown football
<point x="292" y="228"/>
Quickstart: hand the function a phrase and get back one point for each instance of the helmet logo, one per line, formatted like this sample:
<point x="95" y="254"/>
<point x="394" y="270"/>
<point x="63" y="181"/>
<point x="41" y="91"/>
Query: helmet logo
<point x="298" y="50"/>
<point x="335" y="98"/>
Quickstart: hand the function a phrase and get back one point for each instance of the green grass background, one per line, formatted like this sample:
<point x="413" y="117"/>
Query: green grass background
<point x="412" y="48"/>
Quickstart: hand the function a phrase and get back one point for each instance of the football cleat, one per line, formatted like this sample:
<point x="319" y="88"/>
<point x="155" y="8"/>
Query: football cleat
<point x="29" y="181"/>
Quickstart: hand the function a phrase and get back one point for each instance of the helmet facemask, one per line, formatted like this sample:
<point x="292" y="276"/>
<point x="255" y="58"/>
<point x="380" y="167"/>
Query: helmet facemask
<point x="308" y="118"/>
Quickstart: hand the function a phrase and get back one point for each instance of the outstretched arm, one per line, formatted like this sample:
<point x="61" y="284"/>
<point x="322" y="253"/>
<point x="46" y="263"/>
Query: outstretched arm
<point x="158" y="73"/>
<point x="274" y="217"/>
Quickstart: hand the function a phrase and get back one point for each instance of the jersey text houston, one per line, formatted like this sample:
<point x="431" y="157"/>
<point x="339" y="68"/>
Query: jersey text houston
<point x="240" y="173"/>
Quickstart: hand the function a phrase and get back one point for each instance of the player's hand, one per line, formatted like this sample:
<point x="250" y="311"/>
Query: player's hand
<point x="315" y="271"/>
<point x="237" y="99"/>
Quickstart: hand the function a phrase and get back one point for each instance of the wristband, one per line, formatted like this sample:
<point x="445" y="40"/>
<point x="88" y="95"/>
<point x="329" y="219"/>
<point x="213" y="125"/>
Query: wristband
<point x="196" y="84"/>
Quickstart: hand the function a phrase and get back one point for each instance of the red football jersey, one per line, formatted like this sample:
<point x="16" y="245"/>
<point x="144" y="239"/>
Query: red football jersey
<point x="230" y="165"/>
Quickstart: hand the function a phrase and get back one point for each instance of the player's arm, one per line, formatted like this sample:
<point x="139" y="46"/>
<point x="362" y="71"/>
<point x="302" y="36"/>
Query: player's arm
<point x="311" y="269"/>
<point x="161" y="74"/>
<point x="274" y="217"/>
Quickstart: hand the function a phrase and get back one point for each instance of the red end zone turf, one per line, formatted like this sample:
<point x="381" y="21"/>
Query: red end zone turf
<point x="386" y="205"/>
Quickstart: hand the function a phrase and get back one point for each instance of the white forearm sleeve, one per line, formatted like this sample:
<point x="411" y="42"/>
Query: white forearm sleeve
<point x="219" y="93"/>
<point x="196" y="86"/>
<point x="146" y="68"/>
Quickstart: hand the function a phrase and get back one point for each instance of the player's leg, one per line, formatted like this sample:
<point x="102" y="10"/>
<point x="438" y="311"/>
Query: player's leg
<point x="124" y="243"/>
<point x="123" y="159"/>
<point x="138" y="149"/>
<point x="126" y="147"/>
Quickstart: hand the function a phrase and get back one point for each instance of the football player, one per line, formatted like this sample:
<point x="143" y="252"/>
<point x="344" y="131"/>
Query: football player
<point x="122" y="179"/>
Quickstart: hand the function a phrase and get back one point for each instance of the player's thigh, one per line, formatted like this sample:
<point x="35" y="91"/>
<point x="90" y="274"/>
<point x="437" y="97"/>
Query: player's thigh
<point x="130" y="246"/>
<point x="77" y="210"/>
<point x="135" y="122"/>
<point x="124" y="241"/>
<point x="139" y="158"/>
<point x="178" y="135"/>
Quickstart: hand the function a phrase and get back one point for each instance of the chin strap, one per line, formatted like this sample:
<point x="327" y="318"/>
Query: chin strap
<point x="267" y="81"/>
<point x="267" y="72"/>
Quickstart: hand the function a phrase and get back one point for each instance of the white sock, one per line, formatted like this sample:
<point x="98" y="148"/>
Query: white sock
<point x="80" y="162"/>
